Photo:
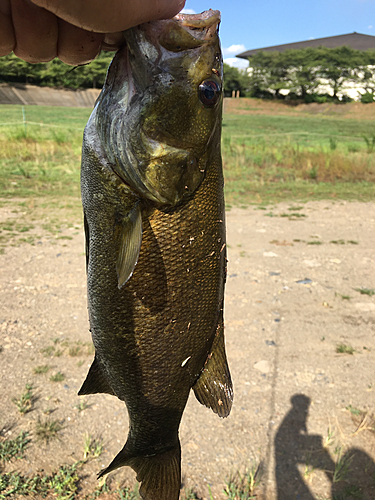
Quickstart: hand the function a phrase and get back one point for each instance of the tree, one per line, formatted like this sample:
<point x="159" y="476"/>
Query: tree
<point x="302" y="71"/>
<point x="367" y="73"/>
<point x="339" y="66"/>
<point x="268" y="73"/>
<point x="55" y="73"/>
<point x="235" y="79"/>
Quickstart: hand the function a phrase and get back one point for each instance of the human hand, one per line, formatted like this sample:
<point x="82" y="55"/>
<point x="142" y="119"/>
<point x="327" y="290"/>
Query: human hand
<point x="73" y="30"/>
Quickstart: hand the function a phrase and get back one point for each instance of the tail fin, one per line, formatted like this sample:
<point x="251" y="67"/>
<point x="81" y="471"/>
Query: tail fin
<point x="159" y="475"/>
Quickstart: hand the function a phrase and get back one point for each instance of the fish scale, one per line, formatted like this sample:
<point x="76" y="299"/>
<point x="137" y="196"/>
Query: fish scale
<point x="156" y="268"/>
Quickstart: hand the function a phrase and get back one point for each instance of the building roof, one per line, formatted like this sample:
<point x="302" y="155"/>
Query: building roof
<point x="354" y="40"/>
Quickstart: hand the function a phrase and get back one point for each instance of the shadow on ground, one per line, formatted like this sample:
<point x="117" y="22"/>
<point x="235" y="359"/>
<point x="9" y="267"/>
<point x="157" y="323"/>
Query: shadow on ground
<point x="351" y="473"/>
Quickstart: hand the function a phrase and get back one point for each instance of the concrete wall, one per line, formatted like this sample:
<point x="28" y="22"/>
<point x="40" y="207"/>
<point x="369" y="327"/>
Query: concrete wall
<point x="46" y="96"/>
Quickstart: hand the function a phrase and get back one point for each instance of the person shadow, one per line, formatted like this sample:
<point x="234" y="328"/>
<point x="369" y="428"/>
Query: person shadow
<point x="352" y="474"/>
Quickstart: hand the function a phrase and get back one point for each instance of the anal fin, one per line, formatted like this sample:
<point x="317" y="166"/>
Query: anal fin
<point x="214" y="386"/>
<point x="159" y="475"/>
<point x="95" y="381"/>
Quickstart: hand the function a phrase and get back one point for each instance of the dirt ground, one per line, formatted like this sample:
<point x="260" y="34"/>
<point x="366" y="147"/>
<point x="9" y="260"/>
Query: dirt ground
<point x="303" y="412"/>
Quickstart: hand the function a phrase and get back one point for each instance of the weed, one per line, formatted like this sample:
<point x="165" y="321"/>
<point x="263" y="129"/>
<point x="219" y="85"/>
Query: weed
<point x="58" y="377"/>
<point x="342" y="465"/>
<point x="370" y="143"/>
<point x="328" y="440"/>
<point x="365" y="291"/>
<point x="332" y="143"/>
<point x="315" y="242"/>
<point x="74" y="351"/>
<point x="41" y="369"/>
<point x="14" y="448"/>
<point x="47" y="351"/>
<point x="26" y="400"/>
<point x="189" y="494"/>
<point x="92" y="447"/>
<point x="46" y="430"/>
<point x="242" y="487"/>
<point x="338" y="242"/>
<point x="82" y="405"/>
<point x="344" y="349"/>
<point x="295" y="208"/>
<point x="103" y="488"/>
<point x="128" y="494"/>
<point x="353" y="411"/>
<point x="352" y="242"/>
<point x="343" y="297"/>
<point x="61" y="484"/>
<point x="64" y="482"/>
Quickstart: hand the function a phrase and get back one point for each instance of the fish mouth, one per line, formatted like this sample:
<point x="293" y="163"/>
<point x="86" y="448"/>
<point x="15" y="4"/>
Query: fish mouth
<point x="183" y="32"/>
<point x="203" y="26"/>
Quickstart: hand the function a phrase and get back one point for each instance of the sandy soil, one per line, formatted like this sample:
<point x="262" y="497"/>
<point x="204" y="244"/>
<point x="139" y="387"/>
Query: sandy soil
<point x="300" y="406"/>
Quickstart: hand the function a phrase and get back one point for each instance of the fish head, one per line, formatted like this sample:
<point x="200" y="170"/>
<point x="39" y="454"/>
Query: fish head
<point x="159" y="114"/>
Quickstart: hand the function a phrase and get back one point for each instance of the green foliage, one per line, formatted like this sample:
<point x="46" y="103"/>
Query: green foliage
<point x="235" y="79"/>
<point x="55" y="73"/>
<point x="367" y="97"/>
<point x="25" y="401"/>
<point x="301" y="71"/>
<point x="62" y="485"/>
<point x="13" y="448"/>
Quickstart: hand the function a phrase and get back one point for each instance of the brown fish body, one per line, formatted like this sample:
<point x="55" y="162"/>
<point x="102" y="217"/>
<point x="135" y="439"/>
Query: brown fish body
<point x="157" y="329"/>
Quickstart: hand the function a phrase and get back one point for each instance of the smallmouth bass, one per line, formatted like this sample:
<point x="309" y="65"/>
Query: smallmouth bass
<point x="152" y="194"/>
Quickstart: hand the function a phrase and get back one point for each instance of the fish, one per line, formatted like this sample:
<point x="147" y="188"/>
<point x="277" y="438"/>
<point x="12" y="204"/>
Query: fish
<point x="153" y="203"/>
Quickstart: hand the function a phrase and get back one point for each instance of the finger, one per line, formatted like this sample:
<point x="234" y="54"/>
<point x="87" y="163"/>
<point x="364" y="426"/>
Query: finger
<point x="77" y="46"/>
<point x="35" y="31"/>
<point x="7" y="36"/>
<point x="113" y="41"/>
<point x="116" y="15"/>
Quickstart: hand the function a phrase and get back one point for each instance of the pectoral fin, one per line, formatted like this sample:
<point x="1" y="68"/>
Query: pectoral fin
<point x="129" y="241"/>
<point x="214" y="386"/>
<point x="95" y="381"/>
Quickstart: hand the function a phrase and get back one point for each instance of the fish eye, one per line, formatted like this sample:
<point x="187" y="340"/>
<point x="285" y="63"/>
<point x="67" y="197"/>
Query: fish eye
<point x="209" y="92"/>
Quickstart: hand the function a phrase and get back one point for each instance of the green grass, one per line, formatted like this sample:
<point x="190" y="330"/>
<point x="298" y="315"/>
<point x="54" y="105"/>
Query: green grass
<point x="62" y="485"/>
<point x="273" y="158"/>
<point x="41" y="159"/>
<point x="344" y="349"/>
<point x="58" y="377"/>
<point x="47" y="429"/>
<point x="365" y="291"/>
<point x="38" y="370"/>
<point x="25" y="402"/>
<point x="14" y="448"/>
<point x="243" y="486"/>
<point x="267" y="158"/>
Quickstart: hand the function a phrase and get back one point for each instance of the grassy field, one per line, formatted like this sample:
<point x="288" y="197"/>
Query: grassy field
<point x="267" y="157"/>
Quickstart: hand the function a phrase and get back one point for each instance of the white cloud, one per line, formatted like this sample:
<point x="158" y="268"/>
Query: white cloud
<point x="187" y="11"/>
<point x="233" y="50"/>
<point x="236" y="62"/>
<point x="370" y="27"/>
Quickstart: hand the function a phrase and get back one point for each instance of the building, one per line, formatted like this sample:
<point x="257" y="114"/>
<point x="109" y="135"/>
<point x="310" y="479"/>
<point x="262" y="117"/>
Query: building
<point x="354" y="40"/>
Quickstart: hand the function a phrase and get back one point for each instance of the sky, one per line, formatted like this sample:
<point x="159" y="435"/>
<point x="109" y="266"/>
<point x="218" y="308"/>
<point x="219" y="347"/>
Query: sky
<point x="255" y="24"/>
